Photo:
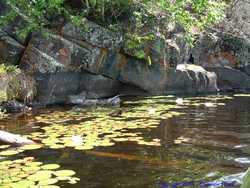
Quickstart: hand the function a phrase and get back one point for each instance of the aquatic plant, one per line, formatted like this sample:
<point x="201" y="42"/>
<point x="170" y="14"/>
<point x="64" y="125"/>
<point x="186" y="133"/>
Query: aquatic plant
<point x="27" y="173"/>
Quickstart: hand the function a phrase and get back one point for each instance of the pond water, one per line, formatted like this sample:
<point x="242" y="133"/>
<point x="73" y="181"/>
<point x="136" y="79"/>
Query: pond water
<point x="148" y="142"/>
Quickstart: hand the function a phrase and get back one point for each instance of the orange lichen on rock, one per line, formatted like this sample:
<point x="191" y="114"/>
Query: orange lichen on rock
<point x="222" y="59"/>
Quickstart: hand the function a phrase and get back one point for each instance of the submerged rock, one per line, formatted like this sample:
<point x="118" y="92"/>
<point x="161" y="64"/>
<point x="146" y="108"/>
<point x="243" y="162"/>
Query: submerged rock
<point x="14" y="106"/>
<point x="81" y="100"/>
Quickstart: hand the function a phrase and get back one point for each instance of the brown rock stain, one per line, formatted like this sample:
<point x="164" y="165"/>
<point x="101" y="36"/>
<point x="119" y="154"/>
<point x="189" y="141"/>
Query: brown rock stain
<point x="101" y="58"/>
<point x="64" y="56"/>
<point x="219" y="57"/>
<point x="122" y="61"/>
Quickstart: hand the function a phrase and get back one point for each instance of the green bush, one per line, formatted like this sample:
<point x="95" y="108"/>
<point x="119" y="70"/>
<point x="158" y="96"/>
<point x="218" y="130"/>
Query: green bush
<point x="8" y="69"/>
<point x="192" y="15"/>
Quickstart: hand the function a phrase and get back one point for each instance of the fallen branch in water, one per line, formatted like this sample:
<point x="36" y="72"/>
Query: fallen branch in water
<point x="14" y="139"/>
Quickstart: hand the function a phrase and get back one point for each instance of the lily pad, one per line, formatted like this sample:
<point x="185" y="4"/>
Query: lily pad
<point x="47" y="182"/>
<point x="31" y="147"/>
<point x="50" y="166"/>
<point x="4" y="146"/>
<point x="41" y="175"/>
<point x="22" y="184"/>
<point x="9" y="152"/>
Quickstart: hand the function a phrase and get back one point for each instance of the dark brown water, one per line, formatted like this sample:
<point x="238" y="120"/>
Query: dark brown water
<point x="208" y="140"/>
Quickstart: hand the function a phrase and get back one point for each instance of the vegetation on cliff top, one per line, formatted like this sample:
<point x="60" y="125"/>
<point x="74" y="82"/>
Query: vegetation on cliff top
<point x="192" y="15"/>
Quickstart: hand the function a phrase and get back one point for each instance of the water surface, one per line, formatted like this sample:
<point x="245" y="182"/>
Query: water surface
<point x="145" y="143"/>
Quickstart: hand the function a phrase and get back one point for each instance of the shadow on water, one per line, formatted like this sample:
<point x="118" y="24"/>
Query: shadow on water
<point x="199" y="142"/>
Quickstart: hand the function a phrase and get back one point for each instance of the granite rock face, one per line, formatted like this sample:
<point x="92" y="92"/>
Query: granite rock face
<point x="10" y="50"/>
<point x="101" y="64"/>
<point x="238" y="19"/>
<point x="226" y="49"/>
<point x="59" y="68"/>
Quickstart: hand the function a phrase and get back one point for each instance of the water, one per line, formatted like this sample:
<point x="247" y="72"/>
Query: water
<point x="148" y="142"/>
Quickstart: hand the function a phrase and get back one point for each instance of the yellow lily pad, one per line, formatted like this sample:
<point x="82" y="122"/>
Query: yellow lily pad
<point x="50" y="166"/>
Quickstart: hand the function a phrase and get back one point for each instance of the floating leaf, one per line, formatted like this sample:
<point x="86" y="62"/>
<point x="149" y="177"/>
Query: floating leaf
<point x="47" y="182"/>
<point x="31" y="147"/>
<point x="22" y="184"/>
<point x="50" y="166"/>
<point x="41" y="175"/>
<point x="9" y="152"/>
<point x="4" y="146"/>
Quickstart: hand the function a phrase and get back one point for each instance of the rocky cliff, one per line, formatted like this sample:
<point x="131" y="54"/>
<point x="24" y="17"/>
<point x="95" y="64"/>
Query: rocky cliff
<point x="72" y="60"/>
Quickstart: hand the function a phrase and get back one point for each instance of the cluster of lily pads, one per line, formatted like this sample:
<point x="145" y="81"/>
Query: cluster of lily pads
<point x="85" y="129"/>
<point x="28" y="173"/>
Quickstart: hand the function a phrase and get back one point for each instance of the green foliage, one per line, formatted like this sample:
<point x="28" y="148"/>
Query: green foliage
<point x="188" y="13"/>
<point x="192" y="15"/>
<point x="8" y="69"/>
<point x="135" y="42"/>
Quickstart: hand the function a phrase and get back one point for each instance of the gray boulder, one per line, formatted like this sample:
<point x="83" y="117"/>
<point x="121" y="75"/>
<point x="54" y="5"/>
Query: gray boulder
<point x="231" y="79"/>
<point x="10" y="50"/>
<point x="52" y="53"/>
<point x="93" y="34"/>
<point x="221" y="49"/>
<point x="58" y="67"/>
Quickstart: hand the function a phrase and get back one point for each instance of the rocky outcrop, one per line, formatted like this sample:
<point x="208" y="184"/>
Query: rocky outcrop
<point x="238" y="19"/>
<point x="10" y="49"/>
<point x="95" y="61"/>
<point x="229" y="79"/>
<point x="226" y="55"/>
<point x="58" y="62"/>
<point x="92" y="34"/>
<point x="226" y="50"/>
<point x="59" y="68"/>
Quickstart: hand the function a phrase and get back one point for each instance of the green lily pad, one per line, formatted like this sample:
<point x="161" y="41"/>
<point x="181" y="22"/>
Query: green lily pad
<point x="50" y="186"/>
<point x="34" y="164"/>
<point x="9" y="152"/>
<point x="47" y="182"/>
<point x="31" y="147"/>
<point x="31" y="168"/>
<point x="22" y="184"/>
<point x="40" y="175"/>
<point x="50" y="166"/>
<point x="4" y="146"/>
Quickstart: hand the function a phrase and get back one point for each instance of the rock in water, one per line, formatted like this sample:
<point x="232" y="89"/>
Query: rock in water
<point x="14" y="106"/>
<point x="82" y="101"/>
<point x="115" y="113"/>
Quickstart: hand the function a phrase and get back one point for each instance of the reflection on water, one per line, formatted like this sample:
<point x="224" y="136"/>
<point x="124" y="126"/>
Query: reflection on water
<point x="147" y="141"/>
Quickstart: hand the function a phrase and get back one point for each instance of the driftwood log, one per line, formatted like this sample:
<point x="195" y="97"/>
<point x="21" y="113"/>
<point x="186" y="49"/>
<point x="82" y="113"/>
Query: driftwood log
<point x="14" y="139"/>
